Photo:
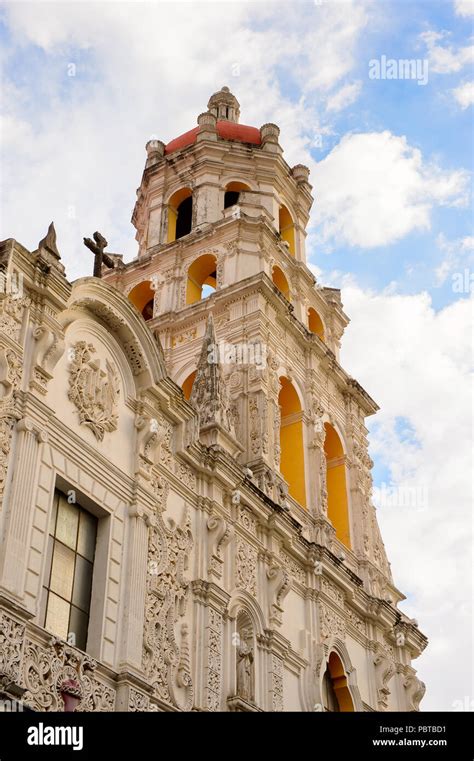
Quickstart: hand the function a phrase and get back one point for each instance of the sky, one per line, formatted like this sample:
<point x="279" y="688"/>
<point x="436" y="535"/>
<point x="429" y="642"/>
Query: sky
<point x="390" y="149"/>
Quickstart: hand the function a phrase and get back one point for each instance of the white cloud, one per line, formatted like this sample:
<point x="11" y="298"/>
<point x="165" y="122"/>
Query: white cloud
<point x="446" y="59"/>
<point x="416" y="364"/>
<point x="457" y="254"/>
<point x="464" y="94"/>
<point x="344" y="97"/>
<point x="374" y="188"/>
<point x="464" y="7"/>
<point x="80" y="148"/>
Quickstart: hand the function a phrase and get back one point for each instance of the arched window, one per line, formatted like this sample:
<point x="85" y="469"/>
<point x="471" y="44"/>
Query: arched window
<point x="187" y="385"/>
<point x="287" y="228"/>
<point x="315" y="324"/>
<point x="338" y="511"/>
<point x="281" y="282"/>
<point x="336" y="695"/>
<point x="142" y="296"/>
<point x="232" y="193"/>
<point x="291" y="441"/>
<point x="201" y="278"/>
<point x="180" y="214"/>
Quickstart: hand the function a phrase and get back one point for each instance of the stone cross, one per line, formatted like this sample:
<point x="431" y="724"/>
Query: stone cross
<point x="100" y="257"/>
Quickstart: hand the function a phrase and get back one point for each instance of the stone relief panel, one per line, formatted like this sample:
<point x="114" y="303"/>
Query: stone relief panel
<point x="214" y="674"/>
<point x="292" y="566"/>
<point x="166" y="661"/>
<point x="246" y="567"/>
<point x="10" y="378"/>
<point x="277" y="683"/>
<point x="12" y="634"/>
<point x="332" y="624"/>
<point x="93" y="391"/>
<point x="50" y="671"/>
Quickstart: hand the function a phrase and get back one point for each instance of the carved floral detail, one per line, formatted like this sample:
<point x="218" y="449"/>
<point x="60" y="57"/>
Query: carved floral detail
<point x="214" y="673"/>
<point x="46" y="669"/>
<point x="246" y="567"/>
<point x="332" y="624"/>
<point x="166" y="663"/>
<point x="11" y="644"/>
<point x="138" y="701"/>
<point x="277" y="683"/>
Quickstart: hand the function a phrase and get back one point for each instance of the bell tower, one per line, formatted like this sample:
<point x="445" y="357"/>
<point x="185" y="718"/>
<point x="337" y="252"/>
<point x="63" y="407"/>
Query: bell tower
<point x="253" y="341"/>
<point x="221" y="225"/>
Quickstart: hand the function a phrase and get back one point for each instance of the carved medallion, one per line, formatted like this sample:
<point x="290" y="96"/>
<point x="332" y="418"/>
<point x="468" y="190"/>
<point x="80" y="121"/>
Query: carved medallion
<point x="93" y="391"/>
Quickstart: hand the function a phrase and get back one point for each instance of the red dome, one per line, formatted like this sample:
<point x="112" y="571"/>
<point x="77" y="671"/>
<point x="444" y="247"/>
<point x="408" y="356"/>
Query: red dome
<point x="225" y="129"/>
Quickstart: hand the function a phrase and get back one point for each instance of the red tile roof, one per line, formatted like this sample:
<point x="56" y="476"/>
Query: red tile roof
<point x="225" y="130"/>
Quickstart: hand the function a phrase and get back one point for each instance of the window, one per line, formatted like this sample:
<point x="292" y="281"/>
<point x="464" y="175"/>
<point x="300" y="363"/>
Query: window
<point x="142" y="296"/>
<point x="291" y="441"/>
<point x="201" y="278"/>
<point x="232" y="193"/>
<point x="70" y="561"/>
<point x="187" y="385"/>
<point x="338" y="510"/>
<point x="336" y="695"/>
<point x="315" y="323"/>
<point x="180" y="214"/>
<point x="281" y="282"/>
<point x="287" y="228"/>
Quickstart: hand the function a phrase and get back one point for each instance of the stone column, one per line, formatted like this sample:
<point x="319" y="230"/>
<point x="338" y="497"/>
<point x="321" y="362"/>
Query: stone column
<point x="16" y="539"/>
<point x="133" y="622"/>
<point x="210" y="605"/>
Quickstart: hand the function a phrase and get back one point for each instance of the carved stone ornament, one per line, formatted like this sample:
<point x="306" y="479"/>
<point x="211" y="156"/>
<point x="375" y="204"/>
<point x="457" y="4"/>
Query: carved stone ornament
<point x="10" y="378"/>
<point x="93" y="391"/>
<point x="166" y="663"/>
<point x="384" y="670"/>
<point x="279" y="584"/>
<point x="220" y="534"/>
<point x="415" y="690"/>
<point x="245" y="667"/>
<point x="11" y="645"/>
<point x="46" y="669"/>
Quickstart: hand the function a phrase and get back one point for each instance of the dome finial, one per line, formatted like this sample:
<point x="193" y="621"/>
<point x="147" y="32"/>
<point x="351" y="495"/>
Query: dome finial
<point x="224" y="105"/>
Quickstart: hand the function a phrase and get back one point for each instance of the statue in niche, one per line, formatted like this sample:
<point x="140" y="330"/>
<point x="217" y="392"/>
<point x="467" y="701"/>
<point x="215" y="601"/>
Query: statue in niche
<point x="245" y="671"/>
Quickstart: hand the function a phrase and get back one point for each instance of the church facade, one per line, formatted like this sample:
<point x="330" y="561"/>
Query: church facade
<point x="185" y="485"/>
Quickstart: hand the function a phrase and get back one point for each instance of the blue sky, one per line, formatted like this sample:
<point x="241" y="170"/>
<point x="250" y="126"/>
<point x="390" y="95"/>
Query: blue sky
<point x="391" y="165"/>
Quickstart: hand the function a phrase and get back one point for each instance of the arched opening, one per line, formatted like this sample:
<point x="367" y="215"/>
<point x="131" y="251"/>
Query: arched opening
<point x="291" y="441"/>
<point x="281" y="282"/>
<point x="232" y="193"/>
<point x="201" y="278"/>
<point x="187" y="385"/>
<point x="287" y="228"/>
<point x="338" y="510"/>
<point x="336" y="695"/>
<point x="142" y="296"/>
<point x="315" y="324"/>
<point x="180" y="214"/>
